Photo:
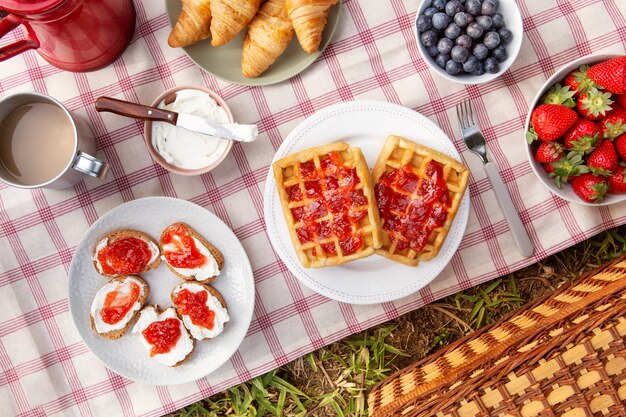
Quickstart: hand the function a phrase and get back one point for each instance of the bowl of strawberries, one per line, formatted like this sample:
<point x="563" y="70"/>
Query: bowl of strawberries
<point x="576" y="131"/>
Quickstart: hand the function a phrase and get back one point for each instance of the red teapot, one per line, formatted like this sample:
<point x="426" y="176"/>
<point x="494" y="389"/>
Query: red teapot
<point x="74" y="35"/>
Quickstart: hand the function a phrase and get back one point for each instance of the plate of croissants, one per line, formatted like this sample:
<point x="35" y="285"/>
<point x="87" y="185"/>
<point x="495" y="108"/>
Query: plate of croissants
<point x="252" y="42"/>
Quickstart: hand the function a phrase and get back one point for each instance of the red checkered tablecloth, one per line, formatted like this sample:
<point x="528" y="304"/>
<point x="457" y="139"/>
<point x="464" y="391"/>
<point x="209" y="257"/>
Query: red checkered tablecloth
<point x="47" y="370"/>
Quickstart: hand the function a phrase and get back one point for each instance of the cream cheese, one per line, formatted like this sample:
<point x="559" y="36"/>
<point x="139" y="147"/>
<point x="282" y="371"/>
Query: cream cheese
<point x="205" y="271"/>
<point x="221" y="315"/>
<point x="184" y="344"/>
<point x="184" y="148"/>
<point x="154" y="250"/>
<point x="98" y="304"/>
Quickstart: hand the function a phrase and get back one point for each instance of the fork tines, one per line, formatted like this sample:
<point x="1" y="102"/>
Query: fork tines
<point x="465" y="114"/>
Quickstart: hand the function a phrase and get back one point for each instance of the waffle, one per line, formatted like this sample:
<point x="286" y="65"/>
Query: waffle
<point x="328" y="201"/>
<point x="415" y="211"/>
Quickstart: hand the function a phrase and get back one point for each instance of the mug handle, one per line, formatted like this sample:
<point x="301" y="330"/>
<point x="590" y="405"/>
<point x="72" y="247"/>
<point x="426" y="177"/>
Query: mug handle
<point x="7" y="24"/>
<point x="91" y="166"/>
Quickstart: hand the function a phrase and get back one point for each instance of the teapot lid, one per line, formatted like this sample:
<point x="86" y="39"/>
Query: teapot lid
<point x="27" y="7"/>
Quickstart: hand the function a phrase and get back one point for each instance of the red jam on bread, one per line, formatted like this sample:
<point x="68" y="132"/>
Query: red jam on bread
<point x="186" y="254"/>
<point x="117" y="303"/>
<point x="424" y="201"/>
<point x="193" y="304"/>
<point x="162" y="335"/>
<point x="126" y="256"/>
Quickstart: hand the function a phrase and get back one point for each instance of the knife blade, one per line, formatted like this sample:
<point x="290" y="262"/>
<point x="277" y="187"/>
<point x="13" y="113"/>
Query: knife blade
<point x="229" y="131"/>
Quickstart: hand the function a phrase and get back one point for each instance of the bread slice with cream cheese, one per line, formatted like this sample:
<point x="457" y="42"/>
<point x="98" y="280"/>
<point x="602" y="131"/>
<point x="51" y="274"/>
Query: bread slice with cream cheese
<point x="206" y="273"/>
<point x="118" y="329"/>
<point x="184" y="345"/>
<point x="214" y="302"/>
<point x="117" y="235"/>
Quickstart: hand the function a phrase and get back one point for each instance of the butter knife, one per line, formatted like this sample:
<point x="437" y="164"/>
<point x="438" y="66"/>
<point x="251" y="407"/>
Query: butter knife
<point x="229" y="131"/>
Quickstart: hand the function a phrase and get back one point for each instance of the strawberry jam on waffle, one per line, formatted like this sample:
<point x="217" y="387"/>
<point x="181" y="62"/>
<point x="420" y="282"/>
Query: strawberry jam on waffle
<point x="412" y="207"/>
<point x="327" y="198"/>
<point x="418" y="191"/>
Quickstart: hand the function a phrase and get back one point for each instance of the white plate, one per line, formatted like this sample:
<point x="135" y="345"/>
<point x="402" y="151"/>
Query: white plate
<point x="126" y="356"/>
<point x="365" y="124"/>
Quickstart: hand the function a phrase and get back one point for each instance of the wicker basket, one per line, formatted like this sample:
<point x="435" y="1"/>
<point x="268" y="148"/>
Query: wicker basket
<point x="563" y="355"/>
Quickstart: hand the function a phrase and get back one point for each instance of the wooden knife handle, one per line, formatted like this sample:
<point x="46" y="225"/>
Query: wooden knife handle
<point x="137" y="111"/>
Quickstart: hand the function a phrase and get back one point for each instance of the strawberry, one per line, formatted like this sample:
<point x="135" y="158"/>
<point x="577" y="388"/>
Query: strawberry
<point x="590" y="188"/>
<point x="548" y="152"/>
<point x="603" y="160"/>
<point x="582" y="137"/>
<point x="594" y="104"/>
<point x="617" y="181"/>
<point x="610" y="74"/>
<point x="549" y="168"/>
<point x="551" y="121"/>
<point x="559" y="95"/>
<point x="620" y="146"/>
<point x="621" y="100"/>
<point x="614" y="124"/>
<point x="578" y="81"/>
<point x="567" y="167"/>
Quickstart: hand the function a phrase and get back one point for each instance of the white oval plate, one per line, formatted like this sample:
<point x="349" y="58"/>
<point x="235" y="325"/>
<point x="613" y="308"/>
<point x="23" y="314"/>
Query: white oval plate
<point x="365" y="124"/>
<point x="126" y="356"/>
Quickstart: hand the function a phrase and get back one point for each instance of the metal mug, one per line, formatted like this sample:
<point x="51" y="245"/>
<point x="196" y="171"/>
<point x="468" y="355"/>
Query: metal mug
<point x="80" y="164"/>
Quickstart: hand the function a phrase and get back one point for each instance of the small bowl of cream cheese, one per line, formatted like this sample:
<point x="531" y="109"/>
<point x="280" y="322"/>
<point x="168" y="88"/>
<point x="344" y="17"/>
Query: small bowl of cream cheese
<point x="182" y="151"/>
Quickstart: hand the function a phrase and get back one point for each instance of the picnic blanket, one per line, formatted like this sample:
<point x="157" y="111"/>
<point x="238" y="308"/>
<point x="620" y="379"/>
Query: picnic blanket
<point x="46" y="368"/>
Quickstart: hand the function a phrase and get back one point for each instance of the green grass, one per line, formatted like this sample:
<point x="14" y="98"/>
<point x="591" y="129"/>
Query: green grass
<point x="335" y="380"/>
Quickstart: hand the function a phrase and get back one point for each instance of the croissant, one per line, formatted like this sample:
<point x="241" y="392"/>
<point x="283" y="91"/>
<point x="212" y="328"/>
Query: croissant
<point x="192" y="25"/>
<point x="229" y="18"/>
<point x="269" y="34"/>
<point x="309" y="18"/>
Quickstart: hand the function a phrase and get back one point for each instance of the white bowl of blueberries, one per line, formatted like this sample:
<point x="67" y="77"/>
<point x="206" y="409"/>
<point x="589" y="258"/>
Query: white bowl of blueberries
<point x="469" y="41"/>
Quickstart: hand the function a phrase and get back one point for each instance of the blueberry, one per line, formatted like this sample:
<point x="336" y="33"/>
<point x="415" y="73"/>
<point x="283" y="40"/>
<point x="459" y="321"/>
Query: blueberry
<point x="444" y="46"/>
<point x="488" y="8"/>
<point x="505" y="35"/>
<point x="499" y="53"/>
<point x="459" y="54"/>
<point x="464" y="41"/>
<point x="453" y="67"/>
<point x="474" y="30"/>
<point x="430" y="11"/>
<point x="498" y="20"/>
<point x="441" y="60"/>
<point x="428" y="38"/>
<point x="470" y="64"/>
<point x="480" y="51"/>
<point x="440" y="20"/>
<point x="491" y="65"/>
<point x="485" y="22"/>
<point x="462" y="19"/>
<point x="453" y="31"/>
<point x="480" y="69"/>
<point x="491" y="40"/>
<point x="473" y="7"/>
<point x="432" y="51"/>
<point x="424" y="23"/>
<point x="496" y="2"/>
<point x="453" y="7"/>
<point x="439" y="5"/>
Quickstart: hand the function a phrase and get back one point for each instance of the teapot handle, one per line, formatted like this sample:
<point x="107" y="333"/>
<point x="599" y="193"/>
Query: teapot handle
<point x="7" y="24"/>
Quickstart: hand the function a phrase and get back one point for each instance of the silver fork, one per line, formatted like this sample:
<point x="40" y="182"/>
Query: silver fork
<point x="475" y="142"/>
